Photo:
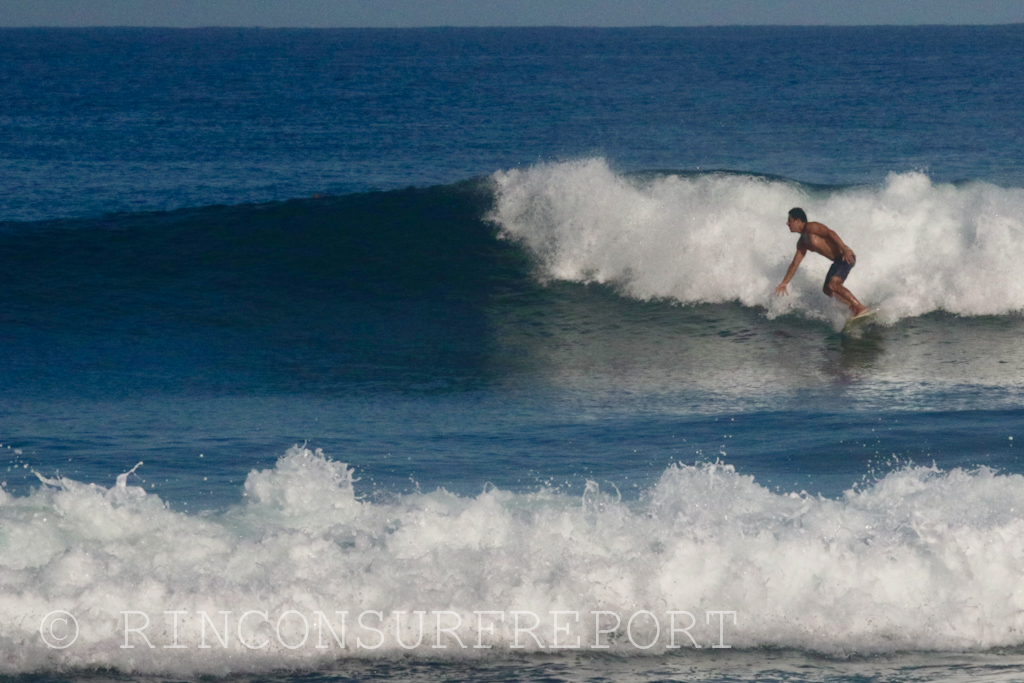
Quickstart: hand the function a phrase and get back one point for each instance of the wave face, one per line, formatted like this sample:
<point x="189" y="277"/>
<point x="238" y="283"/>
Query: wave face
<point x="718" y="237"/>
<point x="412" y="291"/>
<point x="919" y="560"/>
<point x="320" y="293"/>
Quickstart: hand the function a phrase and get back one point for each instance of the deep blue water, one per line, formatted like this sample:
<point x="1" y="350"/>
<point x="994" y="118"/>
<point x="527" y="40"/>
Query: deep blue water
<point x="102" y="120"/>
<point x="520" y="282"/>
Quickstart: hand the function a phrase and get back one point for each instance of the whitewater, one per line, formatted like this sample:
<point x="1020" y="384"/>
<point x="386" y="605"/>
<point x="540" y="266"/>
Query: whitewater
<point x="307" y="571"/>
<point x="714" y="237"/>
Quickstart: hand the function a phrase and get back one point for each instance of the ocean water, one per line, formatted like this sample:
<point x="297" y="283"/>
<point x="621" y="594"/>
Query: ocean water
<point x="453" y="355"/>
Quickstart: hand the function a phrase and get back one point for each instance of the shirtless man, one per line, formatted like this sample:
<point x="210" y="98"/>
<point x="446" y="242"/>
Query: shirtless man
<point x="818" y="238"/>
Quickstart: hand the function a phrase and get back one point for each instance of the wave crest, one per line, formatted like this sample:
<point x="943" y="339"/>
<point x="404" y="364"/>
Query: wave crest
<point x="715" y="237"/>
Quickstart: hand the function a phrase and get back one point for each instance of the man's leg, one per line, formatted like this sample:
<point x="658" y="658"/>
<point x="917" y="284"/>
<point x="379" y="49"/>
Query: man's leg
<point x="835" y="288"/>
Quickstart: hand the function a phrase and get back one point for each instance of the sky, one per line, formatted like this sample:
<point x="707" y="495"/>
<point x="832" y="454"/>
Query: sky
<point x="408" y="13"/>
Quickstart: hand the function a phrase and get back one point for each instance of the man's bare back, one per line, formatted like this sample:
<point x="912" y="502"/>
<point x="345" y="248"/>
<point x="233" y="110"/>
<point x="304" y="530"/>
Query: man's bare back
<point x="818" y="238"/>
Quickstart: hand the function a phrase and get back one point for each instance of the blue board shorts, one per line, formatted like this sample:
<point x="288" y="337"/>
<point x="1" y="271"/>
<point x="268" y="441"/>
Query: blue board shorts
<point x="840" y="269"/>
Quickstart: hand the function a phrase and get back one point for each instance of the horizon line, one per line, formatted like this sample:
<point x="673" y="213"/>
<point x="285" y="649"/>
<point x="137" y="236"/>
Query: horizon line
<point x="502" y="26"/>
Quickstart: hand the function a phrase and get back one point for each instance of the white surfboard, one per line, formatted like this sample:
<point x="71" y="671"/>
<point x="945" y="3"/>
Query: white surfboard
<point x="864" y="318"/>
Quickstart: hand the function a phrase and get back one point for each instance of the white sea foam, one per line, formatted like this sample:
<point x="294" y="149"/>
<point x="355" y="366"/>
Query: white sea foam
<point x="920" y="560"/>
<point x="921" y="246"/>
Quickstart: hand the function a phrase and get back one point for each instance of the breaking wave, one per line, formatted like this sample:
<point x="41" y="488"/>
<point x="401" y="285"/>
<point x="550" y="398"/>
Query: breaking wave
<point x="306" y="572"/>
<point x="717" y="237"/>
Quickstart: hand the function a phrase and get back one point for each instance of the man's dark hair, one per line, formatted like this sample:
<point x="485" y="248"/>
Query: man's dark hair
<point x="798" y="214"/>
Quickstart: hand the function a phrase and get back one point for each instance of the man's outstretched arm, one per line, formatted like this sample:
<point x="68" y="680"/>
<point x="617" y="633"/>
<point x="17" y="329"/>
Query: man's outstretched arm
<point x="781" y="289"/>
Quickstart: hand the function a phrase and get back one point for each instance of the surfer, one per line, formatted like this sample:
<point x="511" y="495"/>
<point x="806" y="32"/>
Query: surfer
<point x="819" y="239"/>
